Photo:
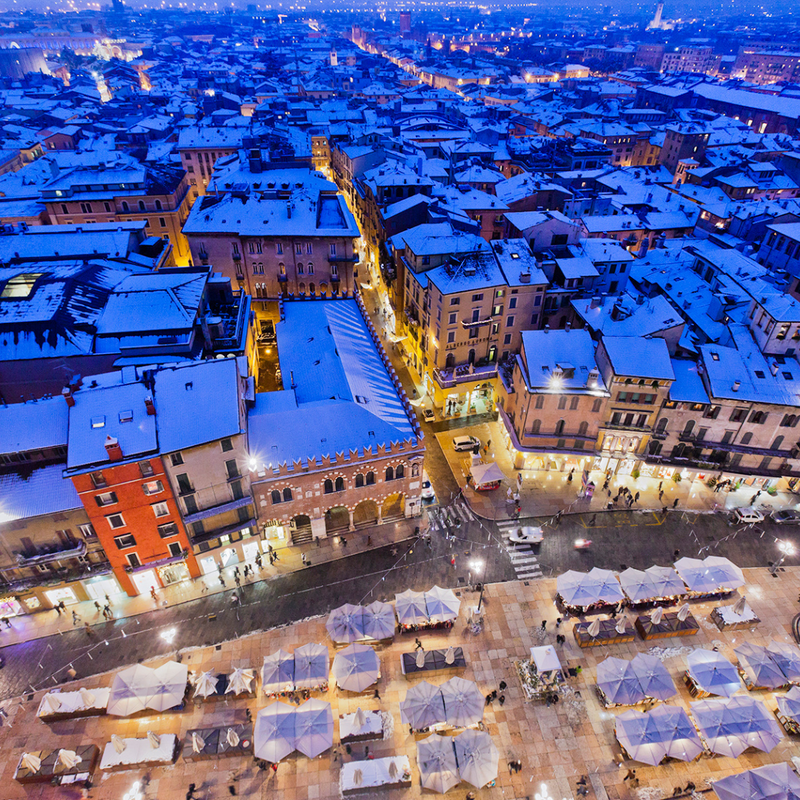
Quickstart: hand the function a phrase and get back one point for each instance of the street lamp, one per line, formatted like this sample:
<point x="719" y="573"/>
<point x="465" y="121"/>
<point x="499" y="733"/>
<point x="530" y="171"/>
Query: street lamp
<point x="787" y="549"/>
<point x="476" y="566"/>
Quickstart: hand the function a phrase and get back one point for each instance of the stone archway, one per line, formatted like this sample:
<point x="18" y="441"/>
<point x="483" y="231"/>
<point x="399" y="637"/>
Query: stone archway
<point x="337" y="519"/>
<point x="366" y="513"/>
<point x="301" y="529"/>
<point x="393" y="507"/>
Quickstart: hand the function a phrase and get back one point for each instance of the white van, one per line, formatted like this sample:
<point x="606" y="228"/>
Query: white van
<point x="746" y="516"/>
<point x="465" y="443"/>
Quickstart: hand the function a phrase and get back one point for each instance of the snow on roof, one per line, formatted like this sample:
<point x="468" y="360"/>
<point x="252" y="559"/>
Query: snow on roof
<point x="636" y="357"/>
<point x="572" y="352"/>
<point x="197" y="403"/>
<point x="44" y="490"/>
<point x="688" y="386"/>
<point x="116" y="411"/>
<point x="33" y="426"/>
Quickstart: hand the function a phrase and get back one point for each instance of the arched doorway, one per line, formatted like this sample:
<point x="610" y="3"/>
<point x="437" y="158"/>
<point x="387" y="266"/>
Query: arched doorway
<point x="392" y="507"/>
<point x="337" y="519"/>
<point x="365" y="513"/>
<point x="301" y="529"/>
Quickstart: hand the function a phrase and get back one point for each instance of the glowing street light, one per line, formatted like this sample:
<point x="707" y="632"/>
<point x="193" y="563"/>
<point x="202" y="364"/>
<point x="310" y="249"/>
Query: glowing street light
<point x="476" y="566"/>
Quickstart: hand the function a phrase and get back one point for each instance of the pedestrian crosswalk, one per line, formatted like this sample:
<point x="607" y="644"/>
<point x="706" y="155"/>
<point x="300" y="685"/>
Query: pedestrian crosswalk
<point x="522" y="556"/>
<point x="445" y="518"/>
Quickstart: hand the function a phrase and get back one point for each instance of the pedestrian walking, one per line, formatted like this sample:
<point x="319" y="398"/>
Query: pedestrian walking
<point x="222" y="580"/>
<point x="234" y="600"/>
<point x="675" y="504"/>
<point x="377" y="695"/>
<point x="237" y="580"/>
<point x="153" y="593"/>
<point x="366" y="751"/>
<point x="452" y="561"/>
<point x="75" y="618"/>
<point x="275" y="769"/>
<point x="502" y="686"/>
<point x="593" y="521"/>
<point x="190" y="791"/>
<point x="544" y="624"/>
<point x="232" y="790"/>
<point x="57" y="607"/>
<point x="418" y="645"/>
<point x="236" y="571"/>
<point x="660" y="496"/>
<point x="488" y="699"/>
<point x="494" y="694"/>
<point x="87" y="628"/>
<point x="97" y="606"/>
<point x="343" y="540"/>
<point x="636" y="497"/>
<point x="501" y="699"/>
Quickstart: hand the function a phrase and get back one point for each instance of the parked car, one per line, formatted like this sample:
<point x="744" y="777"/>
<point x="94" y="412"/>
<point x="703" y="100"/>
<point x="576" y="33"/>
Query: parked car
<point x="465" y="443"/>
<point x="427" y="492"/>
<point x="785" y="516"/>
<point x="529" y="534"/>
<point x="428" y="415"/>
<point x="746" y="516"/>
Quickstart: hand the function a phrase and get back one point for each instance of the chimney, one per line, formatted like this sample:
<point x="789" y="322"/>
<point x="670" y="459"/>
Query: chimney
<point x="113" y="449"/>
<point x="150" y="406"/>
<point x="67" y="395"/>
<point x="774" y="367"/>
<point x="595" y="302"/>
<point x="736" y="385"/>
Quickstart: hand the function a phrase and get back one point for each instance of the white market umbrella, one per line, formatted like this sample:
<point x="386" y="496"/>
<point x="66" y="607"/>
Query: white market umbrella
<point x="676" y="732"/>
<point x="654" y="678"/>
<point x="171" y="687"/>
<point x="313" y="727"/>
<point x="198" y="742"/>
<point x="132" y="690"/>
<point x="618" y="682"/>
<point x="277" y="672"/>
<point x="436" y="759"/>
<point x="729" y="726"/>
<point x="757" y="663"/>
<point x="231" y="737"/>
<point x="68" y="759"/>
<point x="638" y="736"/>
<point x="359" y="718"/>
<point x="419" y="659"/>
<point x="356" y="667"/>
<point x="423" y="706"/>
<point x="450" y="655"/>
<point x="87" y="697"/>
<point x="740" y="605"/>
<point x="392" y="769"/>
<point x="358" y="777"/>
<point x="477" y="757"/>
<point x="154" y="739"/>
<point x="346" y="623"/>
<point x="637" y="585"/>
<point x="31" y="762"/>
<point x="311" y="666"/>
<point x="787" y="657"/>
<point x="683" y="612"/>
<point x="789" y="703"/>
<point x="411" y="608"/>
<point x="274" y="732"/>
<point x="594" y="628"/>
<point x="240" y="681"/>
<point x="771" y="782"/>
<point x="51" y="703"/>
<point x="713" y="673"/>
<point x="657" y="615"/>
<point x="605" y="585"/>
<point x="118" y="742"/>
<point x="379" y="620"/>
<point x="463" y="702"/>
<point x="621" y="626"/>
<point x="571" y="588"/>
<point x="724" y="571"/>
<point x="666" y="582"/>
<point x="206" y="685"/>
<point x="442" y="604"/>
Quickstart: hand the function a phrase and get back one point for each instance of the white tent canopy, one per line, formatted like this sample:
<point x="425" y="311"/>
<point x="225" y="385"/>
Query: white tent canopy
<point x="772" y="782"/>
<point x="423" y="706"/>
<point x="651" y="737"/>
<point x="313" y="727"/>
<point x="477" y="757"/>
<point x="170" y="690"/>
<point x="240" y="681"/>
<point x="274" y="733"/>
<point x="206" y="684"/>
<point x="136" y="688"/>
<point x="437" y="763"/>
<point x="486" y="473"/>
<point x="618" y="682"/>
<point x="712" y="574"/>
<point x="379" y="621"/>
<point x="346" y="623"/>
<point x="545" y="658"/>
<point x="356" y="667"/>
<point x="729" y="726"/>
<point x="277" y="672"/>
<point x="310" y="666"/>
<point x="442" y="604"/>
<point x="411" y="608"/>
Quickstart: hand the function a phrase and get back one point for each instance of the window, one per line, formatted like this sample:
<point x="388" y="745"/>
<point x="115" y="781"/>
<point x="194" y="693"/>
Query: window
<point x="160" y="509"/>
<point x="175" y="549"/>
<point x="328" y="486"/>
<point x="133" y="560"/>
<point x="535" y="427"/>
<point x="507" y="339"/>
<point x="389" y="473"/>
<point x="107" y="207"/>
<point x="115" y="521"/>
<point x="712" y="412"/>
<point x="333" y="249"/>
<point x="758" y="417"/>
<point x="370" y="479"/>
<point x="227" y="445"/>
<point x="747" y="438"/>
<point x="512" y="303"/>
<point x="359" y="480"/>
<point x="159" y="206"/>
<point x="167" y="529"/>
<point x="300" y="268"/>
<point x="453" y="318"/>
<point x="162" y="222"/>
<point x="573" y="403"/>
<point x="176" y="459"/>
<point x="125" y="541"/>
<point x="184" y="484"/>
<point x="596" y="405"/>
<point x="153" y="487"/>
<point x="64" y="209"/>
<point x="338" y="485"/>
<point x="789" y="421"/>
<point x="146" y="469"/>
<point x="738" y="415"/>
<point x="451" y="337"/>
<point x="539" y="401"/>
<point x="298" y="249"/>
<point x="278" y="249"/>
<point x="141" y="205"/>
<point x="106" y="499"/>
<point x="454" y="301"/>
<point x="476" y="298"/>
<point x="287" y="495"/>
<point x="232" y="469"/>
<point x="400" y="472"/>
<point x="276" y="497"/>
<point x="559" y="427"/>
<point x="562" y="403"/>
<point x="510" y="322"/>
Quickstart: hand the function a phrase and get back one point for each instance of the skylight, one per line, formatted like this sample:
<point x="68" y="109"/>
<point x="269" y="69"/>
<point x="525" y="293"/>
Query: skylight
<point x="20" y="286"/>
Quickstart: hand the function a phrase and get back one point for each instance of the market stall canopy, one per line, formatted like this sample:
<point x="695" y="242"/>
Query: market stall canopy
<point x="713" y="673"/>
<point x="436" y="759"/>
<point x="356" y="667"/>
<point x="640" y="740"/>
<point x="477" y="757"/>
<point x="787" y="657"/>
<point x="772" y="782"/>
<point x="726" y="573"/>
<point x="442" y="604"/>
<point x="606" y="586"/>
<point x="379" y="621"/>
<point x="654" y="678"/>
<point x="618" y="682"/>
<point x="545" y="658"/>
<point x="240" y="681"/>
<point x="679" y="734"/>
<point x="712" y="574"/>
<point x="411" y="608"/>
<point x="131" y="691"/>
<point x="463" y="702"/>
<point x="637" y="585"/>
<point x="277" y="672"/>
<point x="664" y="731"/>
<point x="789" y="703"/>
<point x="757" y="663"/>
<point x="172" y="678"/>
<point x="486" y="473"/>
<point x="423" y="706"/>
<point x="729" y="726"/>
<point x="274" y="733"/>
<point x="206" y="684"/>
<point x="346" y="623"/>
<point x="313" y="727"/>
<point x="310" y="666"/>
<point x="666" y="582"/>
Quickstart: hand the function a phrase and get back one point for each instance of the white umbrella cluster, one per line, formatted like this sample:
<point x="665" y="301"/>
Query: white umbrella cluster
<point x="713" y="673"/>
<point x="445" y="761"/>
<point x="356" y="667"/>
<point x="137" y="688"/>
<point x="240" y="681"/>
<point x="352" y="623"/>
<point x="772" y="782"/>
<point x="280" y="729"/>
<point x="420" y="608"/>
<point x="711" y="574"/>
<point x="457" y="702"/>
<point x="731" y="725"/>
<point x="630" y="682"/>
<point x="584" y="589"/>
<point x="666" y="731"/>
<point x="641" y="586"/>
<point x="306" y="668"/>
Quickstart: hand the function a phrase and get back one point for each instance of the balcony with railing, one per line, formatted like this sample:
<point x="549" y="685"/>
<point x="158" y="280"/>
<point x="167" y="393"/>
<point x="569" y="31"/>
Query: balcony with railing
<point x="219" y="508"/>
<point x="46" y="554"/>
<point x="464" y="373"/>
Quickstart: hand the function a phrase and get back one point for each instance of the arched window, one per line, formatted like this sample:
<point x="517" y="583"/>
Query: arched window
<point x="310" y="268"/>
<point x="300" y="268"/>
<point x="125" y="206"/>
<point x="776" y="445"/>
<point x="282" y="268"/>
<point x="359" y="480"/>
<point x="287" y="495"/>
<point x="312" y="289"/>
<point x="559" y="427"/>
<point x="141" y="205"/>
<point x="389" y="473"/>
<point x="415" y="470"/>
<point x="582" y="428"/>
<point x="302" y="287"/>
<point x="370" y="478"/>
<point x="688" y="428"/>
<point x="535" y="426"/>
<point x="158" y="205"/>
<point x="400" y="472"/>
<point x="747" y="438"/>
<point x="662" y="425"/>
<point x="276" y="496"/>
<point x="340" y="484"/>
<point x="328" y="486"/>
<point x="450" y="361"/>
